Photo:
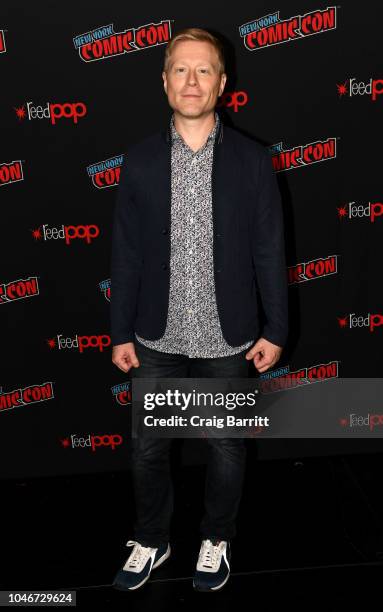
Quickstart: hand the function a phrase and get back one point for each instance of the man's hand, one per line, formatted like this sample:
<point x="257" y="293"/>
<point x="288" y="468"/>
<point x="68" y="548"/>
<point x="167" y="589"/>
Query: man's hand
<point x="264" y="354"/>
<point x="124" y="356"/>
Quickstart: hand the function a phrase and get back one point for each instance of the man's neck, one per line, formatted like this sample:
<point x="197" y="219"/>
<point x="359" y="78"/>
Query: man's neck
<point x="194" y="131"/>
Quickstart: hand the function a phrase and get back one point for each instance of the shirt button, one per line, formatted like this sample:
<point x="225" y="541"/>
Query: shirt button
<point x="190" y="311"/>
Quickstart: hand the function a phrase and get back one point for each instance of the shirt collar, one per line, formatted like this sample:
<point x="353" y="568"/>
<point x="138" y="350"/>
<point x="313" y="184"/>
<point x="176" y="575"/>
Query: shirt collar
<point x="176" y="137"/>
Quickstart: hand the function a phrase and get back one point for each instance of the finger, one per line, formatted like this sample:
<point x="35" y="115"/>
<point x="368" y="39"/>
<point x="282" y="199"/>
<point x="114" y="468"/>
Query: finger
<point x="259" y="359"/>
<point x="267" y="358"/>
<point x="264" y="365"/>
<point x="134" y="361"/>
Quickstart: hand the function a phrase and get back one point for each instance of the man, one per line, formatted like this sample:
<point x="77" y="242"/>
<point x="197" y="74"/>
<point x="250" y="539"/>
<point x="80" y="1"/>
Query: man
<point x="197" y="233"/>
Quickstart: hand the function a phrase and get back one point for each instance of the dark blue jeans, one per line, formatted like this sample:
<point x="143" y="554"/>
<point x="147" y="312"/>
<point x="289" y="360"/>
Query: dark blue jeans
<point x="153" y="487"/>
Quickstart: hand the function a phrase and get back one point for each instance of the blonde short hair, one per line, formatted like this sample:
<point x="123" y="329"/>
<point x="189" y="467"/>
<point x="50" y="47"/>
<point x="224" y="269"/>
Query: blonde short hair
<point x="195" y="34"/>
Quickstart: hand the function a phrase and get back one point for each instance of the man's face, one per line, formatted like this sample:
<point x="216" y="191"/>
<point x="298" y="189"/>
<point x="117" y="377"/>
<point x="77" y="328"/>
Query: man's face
<point x="192" y="82"/>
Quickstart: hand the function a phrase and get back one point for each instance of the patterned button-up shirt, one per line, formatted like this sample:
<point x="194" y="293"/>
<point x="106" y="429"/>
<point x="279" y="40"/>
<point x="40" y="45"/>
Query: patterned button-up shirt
<point x="193" y="327"/>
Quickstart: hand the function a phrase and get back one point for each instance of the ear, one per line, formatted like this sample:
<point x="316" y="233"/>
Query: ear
<point x="223" y="83"/>
<point x="165" y="81"/>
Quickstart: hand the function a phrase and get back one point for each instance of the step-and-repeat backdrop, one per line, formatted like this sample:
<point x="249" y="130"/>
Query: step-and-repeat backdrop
<point x="82" y="80"/>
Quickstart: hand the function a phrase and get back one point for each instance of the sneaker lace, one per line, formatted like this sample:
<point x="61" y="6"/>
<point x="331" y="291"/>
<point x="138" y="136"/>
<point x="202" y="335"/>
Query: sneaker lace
<point x="138" y="553"/>
<point x="209" y="554"/>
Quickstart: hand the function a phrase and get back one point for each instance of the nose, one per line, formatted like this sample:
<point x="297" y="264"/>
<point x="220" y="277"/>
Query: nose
<point x="192" y="78"/>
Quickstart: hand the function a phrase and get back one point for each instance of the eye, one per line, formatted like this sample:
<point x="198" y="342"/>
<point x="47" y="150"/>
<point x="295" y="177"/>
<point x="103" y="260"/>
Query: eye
<point x="202" y="69"/>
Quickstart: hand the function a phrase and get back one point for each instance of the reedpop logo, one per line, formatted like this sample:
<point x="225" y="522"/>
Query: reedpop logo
<point x="67" y="233"/>
<point x="368" y="420"/>
<point x="357" y="211"/>
<point x="81" y="343"/>
<point x="351" y="88"/>
<point x="92" y="442"/>
<point x="233" y="99"/>
<point x="52" y="111"/>
<point x="369" y="321"/>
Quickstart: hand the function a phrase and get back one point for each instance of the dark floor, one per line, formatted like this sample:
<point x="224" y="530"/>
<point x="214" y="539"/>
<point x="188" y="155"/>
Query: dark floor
<point x="310" y="537"/>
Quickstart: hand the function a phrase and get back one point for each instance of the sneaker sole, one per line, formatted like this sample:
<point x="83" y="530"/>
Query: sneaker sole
<point x="165" y="556"/>
<point x="211" y="589"/>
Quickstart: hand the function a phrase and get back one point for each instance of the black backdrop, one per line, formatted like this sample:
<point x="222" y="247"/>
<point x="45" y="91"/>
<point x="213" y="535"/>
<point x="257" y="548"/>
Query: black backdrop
<point x="65" y="124"/>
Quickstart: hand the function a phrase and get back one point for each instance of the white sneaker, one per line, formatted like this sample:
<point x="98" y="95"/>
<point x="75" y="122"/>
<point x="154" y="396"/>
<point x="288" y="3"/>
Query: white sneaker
<point x="213" y="569"/>
<point x="139" y="565"/>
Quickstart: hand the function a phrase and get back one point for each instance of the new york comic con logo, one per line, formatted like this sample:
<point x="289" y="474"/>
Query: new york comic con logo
<point x="103" y="42"/>
<point x="11" y="172"/>
<point x="271" y="30"/>
<point x="106" y="173"/>
<point x="283" y="379"/>
<point x="313" y="269"/>
<point x="18" y="289"/>
<point x="302" y="154"/>
<point x="104" y="287"/>
<point x="24" y="396"/>
<point x="2" y="42"/>
<point x="123" y="393"/>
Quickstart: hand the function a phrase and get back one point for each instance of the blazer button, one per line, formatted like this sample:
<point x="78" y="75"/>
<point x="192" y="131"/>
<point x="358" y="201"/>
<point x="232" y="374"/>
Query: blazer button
<point x="164" y="266"/>
<point x="219" y="235"/>
<point x="218" y="270"/>
<point x="165" y="230"/>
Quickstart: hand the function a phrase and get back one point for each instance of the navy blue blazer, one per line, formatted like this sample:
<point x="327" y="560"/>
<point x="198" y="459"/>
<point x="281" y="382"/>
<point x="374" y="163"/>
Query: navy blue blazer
<point x="248" y="241"/>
